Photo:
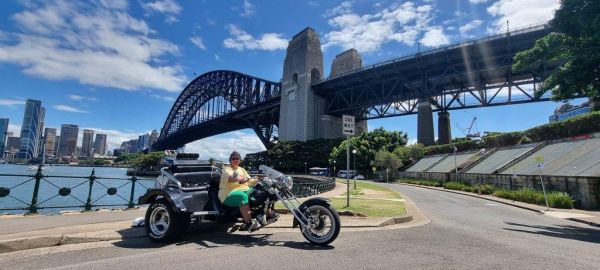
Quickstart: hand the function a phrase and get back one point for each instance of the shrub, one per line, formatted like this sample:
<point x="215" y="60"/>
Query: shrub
<point x="560" y="200"/>
<point x="422" y="182"/>
<point x="503" y="139"/>
<point x="578" y="125"/>
<point x="458" y="186"/>
<point x="555" y="199"/>
<point x="485" y="188"/>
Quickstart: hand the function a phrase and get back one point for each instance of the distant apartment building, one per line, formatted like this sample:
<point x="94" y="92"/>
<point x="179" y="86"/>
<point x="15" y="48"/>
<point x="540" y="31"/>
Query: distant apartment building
<point x="117" y="152"/>
<point x="143" y="142"/>
<point x="3" y="135"/>
<point x="40" y="131"/>
<point x="129" y="147"/>
<point x="153" y="137"/>
<point x="100" y="144"/>
<point x="49" y="141"/>
<point x="87" y="143"/>
<point x="12" y="147"/>
<point x="56" y="145"/>
<point x="31" y="129"/>
<point x="68" y="140"/>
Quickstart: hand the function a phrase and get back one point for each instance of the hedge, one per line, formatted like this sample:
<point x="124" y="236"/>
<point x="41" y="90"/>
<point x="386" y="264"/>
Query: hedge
<point x="578" y="125"/>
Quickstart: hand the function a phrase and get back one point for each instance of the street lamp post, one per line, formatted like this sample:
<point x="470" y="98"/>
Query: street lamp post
<point x="334" y="169"/>
<point x="305" y="168"/>
<point x="354" y="157"/>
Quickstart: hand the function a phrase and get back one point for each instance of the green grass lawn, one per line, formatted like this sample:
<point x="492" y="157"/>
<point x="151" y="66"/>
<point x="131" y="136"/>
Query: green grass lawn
<point x="368" y="199"/>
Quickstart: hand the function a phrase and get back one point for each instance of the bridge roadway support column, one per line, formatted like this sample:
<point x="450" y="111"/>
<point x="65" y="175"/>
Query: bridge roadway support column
<point x="301" y="110"/>
<point x="425" y="123"/>
<point x="444" y="131"/>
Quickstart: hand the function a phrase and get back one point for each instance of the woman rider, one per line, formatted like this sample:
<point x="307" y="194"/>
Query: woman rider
<point x="234" y="190"/>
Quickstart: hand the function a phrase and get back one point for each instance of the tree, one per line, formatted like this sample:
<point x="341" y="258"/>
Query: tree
<point x="387" y="160"/>
<point x="574" y="46"/>
<point x="367" y="144"/>
<point x="410" y="154"/>
<point x="149" y="161"/>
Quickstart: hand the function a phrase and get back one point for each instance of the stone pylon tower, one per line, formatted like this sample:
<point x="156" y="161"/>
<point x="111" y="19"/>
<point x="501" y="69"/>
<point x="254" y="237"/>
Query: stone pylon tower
<point x="346" y="62"/>
<point x="301" y="110"/>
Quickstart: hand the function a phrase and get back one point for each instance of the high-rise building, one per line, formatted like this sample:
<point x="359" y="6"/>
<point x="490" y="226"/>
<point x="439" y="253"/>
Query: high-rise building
<point x="143" y="142"/>
<point x="68" y="140"/>
<point x="153" y="137"/>
<point x="12" y="147"/>
<point x="100" y="144"/>
<point x="49" y="141"/>
<point x="88" y="143"/>
<point x="40" y="132"/>
<point x="56" y="144"/>
<point x="3" y="135"/>
<point x="30" y="129"/>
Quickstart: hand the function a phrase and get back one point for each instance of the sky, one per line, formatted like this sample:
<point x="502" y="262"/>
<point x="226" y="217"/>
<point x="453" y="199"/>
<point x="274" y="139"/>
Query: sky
<point x="117" y="66"/>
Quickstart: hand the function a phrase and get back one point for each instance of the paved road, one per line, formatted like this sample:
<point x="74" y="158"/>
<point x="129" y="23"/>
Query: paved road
<point x="464" y="232"/>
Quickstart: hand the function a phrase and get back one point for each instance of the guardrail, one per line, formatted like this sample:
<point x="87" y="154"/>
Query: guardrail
<point x="305" y="185"/>
<point x="92" y="200"/>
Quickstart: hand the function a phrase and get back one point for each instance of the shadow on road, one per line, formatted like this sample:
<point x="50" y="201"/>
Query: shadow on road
<point x="213" y="236"/>
<point x="561" y="231"/>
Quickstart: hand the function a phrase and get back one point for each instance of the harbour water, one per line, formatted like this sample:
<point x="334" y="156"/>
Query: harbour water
<point x="21" y="188"/>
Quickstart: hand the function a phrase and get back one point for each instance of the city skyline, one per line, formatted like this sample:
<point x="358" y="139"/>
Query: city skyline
<point x="132" y="92"/>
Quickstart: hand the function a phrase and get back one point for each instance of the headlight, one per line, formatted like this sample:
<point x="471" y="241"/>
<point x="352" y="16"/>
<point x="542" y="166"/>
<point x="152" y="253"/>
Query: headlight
<point x="288" y="182"/>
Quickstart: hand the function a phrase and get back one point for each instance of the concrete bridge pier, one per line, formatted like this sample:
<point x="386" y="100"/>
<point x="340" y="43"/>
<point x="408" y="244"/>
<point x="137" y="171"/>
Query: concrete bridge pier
<point x="444" y="130"/>
<point x="425" y="123"/>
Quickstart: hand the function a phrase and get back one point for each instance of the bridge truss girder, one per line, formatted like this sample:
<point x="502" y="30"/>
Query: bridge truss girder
<point x="474" y="74"/>
<point x="218" y="102"/>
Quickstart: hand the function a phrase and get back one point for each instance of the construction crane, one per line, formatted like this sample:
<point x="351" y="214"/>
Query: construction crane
<point x="475" y="134"/>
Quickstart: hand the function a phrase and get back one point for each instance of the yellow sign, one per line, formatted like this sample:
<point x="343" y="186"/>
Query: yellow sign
<point x="539" y="159"/>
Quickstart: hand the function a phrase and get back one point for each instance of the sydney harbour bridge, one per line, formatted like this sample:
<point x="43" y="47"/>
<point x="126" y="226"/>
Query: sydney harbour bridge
<point x="305" y="105"/>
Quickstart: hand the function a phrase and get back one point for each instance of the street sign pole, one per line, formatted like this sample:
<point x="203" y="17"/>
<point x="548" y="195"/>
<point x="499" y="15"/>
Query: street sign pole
<point x="540" y="162"/>
<point x="348" y="171"/>
<point x="347" y="129"/>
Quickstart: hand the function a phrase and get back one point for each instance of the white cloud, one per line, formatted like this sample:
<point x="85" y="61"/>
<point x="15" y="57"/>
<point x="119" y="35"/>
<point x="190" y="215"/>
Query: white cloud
<point x="67" y="108"/>
<point x="402" y="23"/>
<point x="78" y="98"/>
<point x="218" y="58"/>
<point x="198" y="42"/>
<point x="220" y="147"/>
<point x="343" y="8"/>
<point x="248" y="9"/>
<point x="90" y="44"/>
<point x="435" y="37"/>
<point x="11" y="102"/>
<point x="521" y="13"/>
<point x="163" y="6"/>
<point x="241" y="40"/>
<point x="477" y="1"/>
<point x="465" y="29"/>
<point x="165" y="98"/>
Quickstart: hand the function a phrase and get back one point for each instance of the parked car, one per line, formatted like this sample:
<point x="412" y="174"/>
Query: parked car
<point x="359" y="177"/>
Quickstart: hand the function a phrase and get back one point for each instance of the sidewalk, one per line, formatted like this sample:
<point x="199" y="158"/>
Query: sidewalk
<point x="591" y="218"/>
<point x="28" y="232"/>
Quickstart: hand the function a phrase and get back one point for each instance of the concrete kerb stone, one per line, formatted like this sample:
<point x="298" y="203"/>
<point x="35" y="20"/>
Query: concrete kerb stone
<point x="525" y="207"/>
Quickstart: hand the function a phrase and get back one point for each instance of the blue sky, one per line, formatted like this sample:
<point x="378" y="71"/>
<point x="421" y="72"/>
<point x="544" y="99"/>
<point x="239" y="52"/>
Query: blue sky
<point x="117" y="66"/>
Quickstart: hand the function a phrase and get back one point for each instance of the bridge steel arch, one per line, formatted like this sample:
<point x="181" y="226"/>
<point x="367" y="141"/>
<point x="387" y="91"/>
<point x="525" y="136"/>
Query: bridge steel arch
<point x="222" y="101"/>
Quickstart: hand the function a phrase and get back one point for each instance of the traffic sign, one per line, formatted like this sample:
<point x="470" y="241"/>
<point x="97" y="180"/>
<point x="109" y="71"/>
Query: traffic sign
<point x="348" y="124"/>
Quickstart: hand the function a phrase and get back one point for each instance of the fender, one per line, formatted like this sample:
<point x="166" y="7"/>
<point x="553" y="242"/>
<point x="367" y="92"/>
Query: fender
<point x="309" y="202"/>
<point x="152" y="194"/>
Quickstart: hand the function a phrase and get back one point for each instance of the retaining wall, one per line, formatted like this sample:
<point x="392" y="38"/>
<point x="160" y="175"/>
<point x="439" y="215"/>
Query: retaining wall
<point x="584" y="190"/>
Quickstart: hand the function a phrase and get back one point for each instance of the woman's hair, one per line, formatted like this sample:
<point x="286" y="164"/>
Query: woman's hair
<point x="235" y="154"/>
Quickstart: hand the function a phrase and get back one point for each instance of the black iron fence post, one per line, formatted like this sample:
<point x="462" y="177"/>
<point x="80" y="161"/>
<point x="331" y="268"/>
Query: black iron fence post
<point x="131" y="204"/>
<point x="88" y="204"/>
<point x="38" y="178"/>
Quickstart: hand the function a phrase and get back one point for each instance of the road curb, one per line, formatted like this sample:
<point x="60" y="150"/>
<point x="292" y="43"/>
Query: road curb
<point x="25" y="243"/>
<point x="396" y="220"/>
<point x="591" y="223"/>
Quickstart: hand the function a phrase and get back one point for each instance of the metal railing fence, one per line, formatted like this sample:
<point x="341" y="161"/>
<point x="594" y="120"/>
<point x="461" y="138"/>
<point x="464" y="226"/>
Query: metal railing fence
<point x="61" y="188"/>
